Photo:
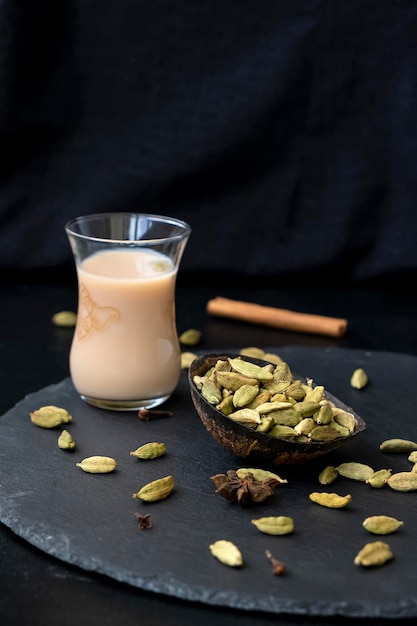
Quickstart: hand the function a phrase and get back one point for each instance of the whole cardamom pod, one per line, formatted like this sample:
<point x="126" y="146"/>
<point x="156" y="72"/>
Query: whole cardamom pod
<point x="156" y="490"/>
<point x="150" y="450"/>
<point x="381" y="524"/>
<point x="227" y="553"/>
<point x="398" y="445"/>
<point x="97" y="464"/>
<point x="190" y="337"/>
<point x="65" y="319"/>
<point x="279" y="525"/>
<point x="331" y="500"/>
<point x="355" y="471"/>
<point x="50" y="416"/>
<point x="374" y="554"/>
<point x="403" y="481"/>
<point x="359" y="379"/>
<point x="65" y="441"/>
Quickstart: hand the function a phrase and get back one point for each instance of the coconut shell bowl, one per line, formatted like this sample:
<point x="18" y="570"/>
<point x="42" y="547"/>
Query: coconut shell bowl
<point x="292" y="422"/>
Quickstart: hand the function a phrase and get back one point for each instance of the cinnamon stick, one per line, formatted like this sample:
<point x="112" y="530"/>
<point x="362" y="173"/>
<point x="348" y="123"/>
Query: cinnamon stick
<point x="277" y="318"/>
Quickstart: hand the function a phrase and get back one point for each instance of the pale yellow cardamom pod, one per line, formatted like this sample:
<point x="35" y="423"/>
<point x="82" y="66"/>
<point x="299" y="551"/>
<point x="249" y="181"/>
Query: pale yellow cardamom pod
<point x="66" y="319"/>
<point x="374" y="554"/>
<point x="50" y="416"/>
<point x="413" y="456"/>
<point x="186" y="359"/>
<point x="259" y="474"/>
<point x="330" y="500"/>
<point x="379" y="478"/>
<point x="267" y="407"/>
<point x="272" y="358"/>
<point x="227" y="553"/>
<point x="305" y="426"/>
<point x="97" y="464"/>
<point x="247" y="417"/>
<point x="355" y="471"/>
<point x="403" y="481"/>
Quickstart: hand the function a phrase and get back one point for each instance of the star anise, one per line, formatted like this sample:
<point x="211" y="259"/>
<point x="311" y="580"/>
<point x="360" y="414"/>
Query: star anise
<point x="243" y="490"/>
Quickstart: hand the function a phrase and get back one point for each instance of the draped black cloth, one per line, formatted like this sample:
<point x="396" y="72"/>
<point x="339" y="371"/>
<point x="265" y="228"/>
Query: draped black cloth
<point x="283" y="131"/>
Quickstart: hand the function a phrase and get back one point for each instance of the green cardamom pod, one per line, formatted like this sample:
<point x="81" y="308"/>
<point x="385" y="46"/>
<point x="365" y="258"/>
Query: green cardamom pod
<point x="307" y="408"/>
<point x="279" y="525"/>
<point x="226" y="405"/>
<point x="324" y="414"/>
<point x="282" y="432"/>
<point x="151" y="450"/>
<point x="398" y="445"/>
<point x="379" y="478"/>
<point x="381" y="524"/>
<point x="255" y="353"/>
<point x="211" y="392"/>
<point x="328" y="475"/>
<point x="190" y="337"/>
<point x="65" y="441"/>
<point x="251" y="370"/>
<point x="355" y="471"/>
<point x="244" y="395"/>
<point x="156" y="490"/>
<point x="323" y="433"/>
<point x="296" y="391"/>
<point x="233" y="380"/>
<point x="359" y="379"/>
<point x="342" y="430"/>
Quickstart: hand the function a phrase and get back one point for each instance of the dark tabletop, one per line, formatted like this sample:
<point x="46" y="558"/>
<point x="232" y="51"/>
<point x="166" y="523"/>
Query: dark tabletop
<point x="35" y="587"/>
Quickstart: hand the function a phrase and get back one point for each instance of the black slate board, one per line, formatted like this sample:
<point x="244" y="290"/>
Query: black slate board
<point x="88" y="520"/>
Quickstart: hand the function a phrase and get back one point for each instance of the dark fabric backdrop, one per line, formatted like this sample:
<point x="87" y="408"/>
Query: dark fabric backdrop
<point x="284" y="132"/>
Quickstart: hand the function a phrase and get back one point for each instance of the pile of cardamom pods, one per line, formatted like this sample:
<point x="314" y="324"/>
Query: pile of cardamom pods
<point x="271" y="400"/>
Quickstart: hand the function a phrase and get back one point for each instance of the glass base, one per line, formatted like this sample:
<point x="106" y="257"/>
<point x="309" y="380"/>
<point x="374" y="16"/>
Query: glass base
<point x="125" y="405"/>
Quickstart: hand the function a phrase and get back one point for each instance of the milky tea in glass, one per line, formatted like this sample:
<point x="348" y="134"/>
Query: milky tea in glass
<point x="125" y="353"/>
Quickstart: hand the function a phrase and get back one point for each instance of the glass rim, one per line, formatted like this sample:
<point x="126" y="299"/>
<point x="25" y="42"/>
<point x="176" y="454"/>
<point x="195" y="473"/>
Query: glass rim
<point x="92" y="217"/>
